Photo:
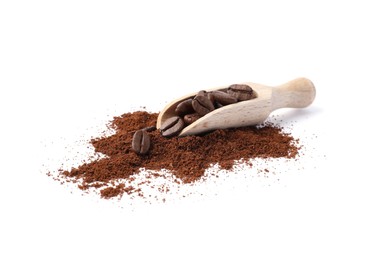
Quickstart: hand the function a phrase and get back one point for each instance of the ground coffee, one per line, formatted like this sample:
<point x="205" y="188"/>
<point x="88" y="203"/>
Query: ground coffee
<point x="186" y="157"/>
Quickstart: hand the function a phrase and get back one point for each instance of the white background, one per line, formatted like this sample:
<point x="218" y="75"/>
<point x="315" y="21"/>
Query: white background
<point x="65" y="66"/>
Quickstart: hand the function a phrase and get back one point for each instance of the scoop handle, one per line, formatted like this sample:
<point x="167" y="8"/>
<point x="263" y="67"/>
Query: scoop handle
<point x="297" y="93"/>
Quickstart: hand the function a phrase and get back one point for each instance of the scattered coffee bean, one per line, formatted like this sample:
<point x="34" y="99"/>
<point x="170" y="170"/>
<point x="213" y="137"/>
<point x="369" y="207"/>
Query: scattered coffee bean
<point x="223" y="98"/>
<point x="185" y="107"/>
<point x="191" y="118"/>
<point x="241" y="92"/>
<point x="141" y="142"/>
<point x="172" y="126"/>
<point x="202" y="105"/>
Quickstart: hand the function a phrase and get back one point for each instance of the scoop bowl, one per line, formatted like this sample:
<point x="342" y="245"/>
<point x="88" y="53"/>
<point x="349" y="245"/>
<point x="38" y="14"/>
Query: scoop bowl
<point x="298" y="93"/>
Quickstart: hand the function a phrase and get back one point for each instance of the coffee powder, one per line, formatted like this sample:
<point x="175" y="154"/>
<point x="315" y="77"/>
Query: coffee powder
<point x="186" y="158"/>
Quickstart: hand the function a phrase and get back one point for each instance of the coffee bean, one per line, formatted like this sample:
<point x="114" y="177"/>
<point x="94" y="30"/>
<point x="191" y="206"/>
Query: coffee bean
<point x="223" y="98"/>
<point x="202" y="104"/>
<point x="141" y="142"/>
<point x="202" y="93"/>
<point x="206" y="94"/>
<point x="184" y="107"/>
<point x="191" y="118"/>
<point x="172" y="126"/>
<point x="210" y="97"/>
<point x="149" y="128"/>
<point x="241" y="92"/>
<point x="218" y="105"/>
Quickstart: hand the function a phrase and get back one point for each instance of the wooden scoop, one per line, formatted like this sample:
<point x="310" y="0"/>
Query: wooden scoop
<point x="298" y="93"/>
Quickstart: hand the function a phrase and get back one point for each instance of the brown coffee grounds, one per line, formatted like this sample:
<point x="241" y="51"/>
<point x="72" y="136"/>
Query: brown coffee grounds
<point x="187" y="157"/>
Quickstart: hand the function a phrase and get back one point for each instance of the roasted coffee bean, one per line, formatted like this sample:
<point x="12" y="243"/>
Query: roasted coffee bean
<point x="185" y="107"/>
<point x="223" y="98"/>
<point x="202" y="104"/>
<point x="172" y="126"/>
<point x="206" y="94"/>
<point x="202" y="93"/>
<point x="210" y="97"/>
<point x="218" y="105"/>
<point x="149" y="128"/>
<point x="241" y="92"/>
<point x="141" y="142"/>
<point x="191" y="118"/>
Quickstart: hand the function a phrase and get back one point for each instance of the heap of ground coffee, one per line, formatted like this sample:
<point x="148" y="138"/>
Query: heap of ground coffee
<point x="187" y="158"/>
